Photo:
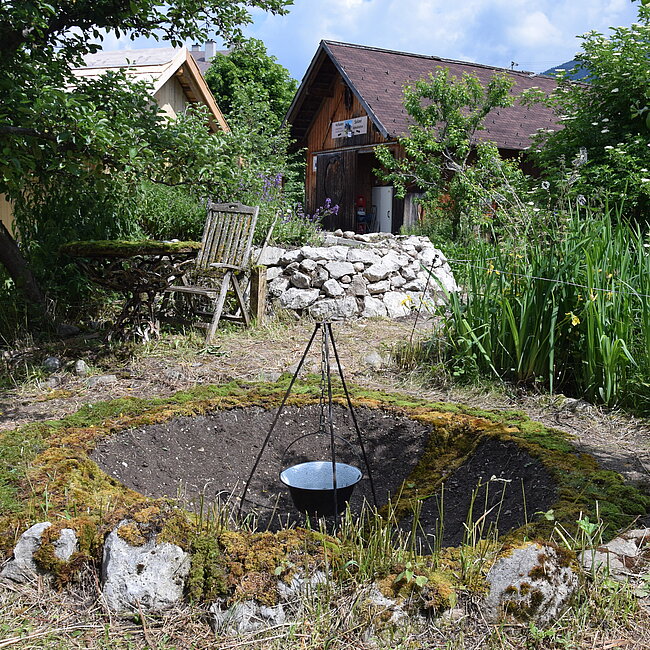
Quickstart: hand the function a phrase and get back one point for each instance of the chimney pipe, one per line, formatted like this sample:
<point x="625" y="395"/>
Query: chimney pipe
<point x="196" y="47"/>
<point x="210" y="49"/>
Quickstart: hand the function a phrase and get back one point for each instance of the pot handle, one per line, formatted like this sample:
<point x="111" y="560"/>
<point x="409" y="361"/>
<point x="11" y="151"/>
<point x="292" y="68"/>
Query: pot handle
<point x="319" y="433"/>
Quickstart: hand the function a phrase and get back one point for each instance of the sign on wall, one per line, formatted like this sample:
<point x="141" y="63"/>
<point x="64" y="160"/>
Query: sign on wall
<point x="348" y="128"/>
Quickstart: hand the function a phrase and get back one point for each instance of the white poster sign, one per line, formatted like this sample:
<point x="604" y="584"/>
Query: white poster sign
<point x="348" y="128"/>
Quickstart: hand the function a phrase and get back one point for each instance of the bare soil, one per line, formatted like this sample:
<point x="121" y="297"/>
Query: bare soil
<point x="213" y="455"/>
<point x="621" y="442"/>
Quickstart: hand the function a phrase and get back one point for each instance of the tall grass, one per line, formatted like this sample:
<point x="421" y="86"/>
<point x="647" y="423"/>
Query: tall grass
<point x="568" y="308"/>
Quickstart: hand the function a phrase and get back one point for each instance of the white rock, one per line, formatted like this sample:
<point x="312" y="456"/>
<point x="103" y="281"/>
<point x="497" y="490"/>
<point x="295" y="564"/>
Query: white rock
<point x="273" y="272"/>
<point x="298" y="298"/>
<point x="66" y="544"/>
<point x="80" y="368"/>
<point x="373" y="307"/>
<point x="333" y="289"/>
<point x="320" y="277"/>
<point x="345" y="279"/>
<point x="362" y="255"/>
<point x="397" y="281"/>
<point x="416" y="284"/>
<point x="374" y="360"/>
<point x="348" y="234"/>
<point x="291" y="256"/>
<point x="410" y="272"/>
<point x="150" y="577"/>
<point x="329" y="253"/>
<point x="339" y="269"/>
<point x="359" y="266"/>
<point x="102" y="380"/>
<point x="358" y="286"/>
<point x="269" y="257"/>
<point x="397" y="304"/>
<point x="379" y="271"/>
<point x="378" y="287"/>
<point x="334" y="308"/>
<point x="22" y="567"/>
<point x="300" y="280"/>
<point x="338" y="233"/>
<point x="540" y="598"/>
<point x="299" y="585"/>
<point x="244" y="617"/>
<point x="278" y="286"/>
<point x="308" y="265"/>
<point x="396" y="260"/>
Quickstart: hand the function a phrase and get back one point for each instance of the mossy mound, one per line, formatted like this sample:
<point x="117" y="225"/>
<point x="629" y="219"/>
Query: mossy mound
<point x="46" y="473"/>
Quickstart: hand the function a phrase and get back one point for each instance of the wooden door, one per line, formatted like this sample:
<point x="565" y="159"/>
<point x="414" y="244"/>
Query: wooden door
<point x="335" y="180"/>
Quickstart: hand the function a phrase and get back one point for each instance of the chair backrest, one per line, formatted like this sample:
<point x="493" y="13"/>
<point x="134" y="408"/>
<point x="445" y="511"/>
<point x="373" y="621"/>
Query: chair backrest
<point x="227" y="235"/>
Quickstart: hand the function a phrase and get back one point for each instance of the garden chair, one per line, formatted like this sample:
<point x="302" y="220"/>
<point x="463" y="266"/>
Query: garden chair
<point x="223" y="259"/>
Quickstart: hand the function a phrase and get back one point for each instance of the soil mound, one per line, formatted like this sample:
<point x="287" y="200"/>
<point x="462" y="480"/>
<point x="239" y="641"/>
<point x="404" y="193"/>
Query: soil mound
<point x="209" y="457"/>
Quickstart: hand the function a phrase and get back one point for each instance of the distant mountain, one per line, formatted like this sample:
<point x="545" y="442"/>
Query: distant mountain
<point x="579" y="74"/>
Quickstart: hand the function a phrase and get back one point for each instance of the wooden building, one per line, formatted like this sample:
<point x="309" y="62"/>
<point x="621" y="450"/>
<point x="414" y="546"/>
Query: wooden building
<point x="176" y="83"/>
<point x="350" y="101"/>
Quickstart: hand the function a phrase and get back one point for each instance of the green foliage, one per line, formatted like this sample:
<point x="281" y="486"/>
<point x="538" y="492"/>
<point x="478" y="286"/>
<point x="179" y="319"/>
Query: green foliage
<point x="465" y="182"/>
<point x="249" y="67"/>
<point x="568" y="309"/>
<point x="602" y="152"/>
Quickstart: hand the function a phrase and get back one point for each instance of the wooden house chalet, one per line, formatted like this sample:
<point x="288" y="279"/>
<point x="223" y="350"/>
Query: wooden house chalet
<point x="176" y="83"/>
<point x="350" y="102"/>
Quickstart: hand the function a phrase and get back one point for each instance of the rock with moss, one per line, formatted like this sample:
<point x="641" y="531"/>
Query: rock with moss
<point x="147" y="576"/>
<point x="246" y="616"/>
<point x="532" y="583"/>
<point x="23" y="567"/>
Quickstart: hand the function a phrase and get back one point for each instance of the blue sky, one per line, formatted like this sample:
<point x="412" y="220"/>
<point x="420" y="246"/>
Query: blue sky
<point x="535" y="34"/>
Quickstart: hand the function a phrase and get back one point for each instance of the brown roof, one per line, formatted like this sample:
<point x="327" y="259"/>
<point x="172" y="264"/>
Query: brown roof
<point x="378" y="77"/>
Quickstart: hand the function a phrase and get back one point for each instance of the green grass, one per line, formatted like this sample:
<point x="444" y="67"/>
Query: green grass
<point x="567" y="309"/>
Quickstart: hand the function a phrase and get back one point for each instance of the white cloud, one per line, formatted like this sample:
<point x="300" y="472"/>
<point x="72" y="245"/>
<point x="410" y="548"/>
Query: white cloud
<point x="535" y="30"/>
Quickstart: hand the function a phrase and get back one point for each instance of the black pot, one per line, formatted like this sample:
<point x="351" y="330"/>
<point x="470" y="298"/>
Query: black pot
<point x="312" y="490"/>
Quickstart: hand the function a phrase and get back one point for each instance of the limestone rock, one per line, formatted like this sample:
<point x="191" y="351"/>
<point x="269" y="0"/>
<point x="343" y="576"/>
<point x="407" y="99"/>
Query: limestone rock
<point x="80" y="368"/>
<point x="300" y="585"/>
<point x="333" y="289"/>
<point x="151" y="576"/>
<point x="358" y="286"/>
<point x="308" y="266"/>
<point x="298" y="298"/>
<point x="66" y="544"/>
<point x="273" y="272"/>
<point x="270" y="256"/>
<point x="334" y="308"/>
<point x="362" y="255"/>
<point x="377" y="272"/>
<point x="625" y="557"/>
<point x="417" y="284"/>
<point x="374" y="360"/>
<point x="358" y="266"/>
<point x="291" y="256"/>
<point x="378" y="287"/>
<point x="397" y="304"/>
<point x="534" y="582"/>
<point x="246" y="616"/>
<point x="328" y="253"/>
<point x="410" y="272"/>
<point x="52" y="364"/>
<point x="373" y="307"/>
<point x="397" y="281"/>
<point x="102" y="380"/>
<point x="339" y="269"/>
<point x="278" y="286"/>
<point x="22" y="567"/>
<point x="320" y="277"/>
<point x="300" y="280"/>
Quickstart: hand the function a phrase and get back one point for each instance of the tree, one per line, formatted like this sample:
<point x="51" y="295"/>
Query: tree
<point x="602" y="151"/>
<point x="442" y="156"/>
<point x="54" y="126"/>
<point x="249" y="66"/>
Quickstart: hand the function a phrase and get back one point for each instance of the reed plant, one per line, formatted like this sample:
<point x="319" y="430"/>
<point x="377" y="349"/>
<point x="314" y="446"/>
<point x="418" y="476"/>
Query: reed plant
<point x="567" y="308"/>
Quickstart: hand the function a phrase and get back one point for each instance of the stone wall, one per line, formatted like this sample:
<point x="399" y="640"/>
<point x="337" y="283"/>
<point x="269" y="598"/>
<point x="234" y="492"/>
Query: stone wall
<point x="357" y="275"/>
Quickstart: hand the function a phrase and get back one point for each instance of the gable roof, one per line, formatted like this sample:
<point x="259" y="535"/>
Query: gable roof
<point x="157" y="66"/>
<point x="377" y="78"/>
<point x="203" y="63"/>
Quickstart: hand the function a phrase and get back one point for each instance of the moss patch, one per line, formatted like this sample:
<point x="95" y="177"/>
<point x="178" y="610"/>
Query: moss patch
<point x="45" y="471"/>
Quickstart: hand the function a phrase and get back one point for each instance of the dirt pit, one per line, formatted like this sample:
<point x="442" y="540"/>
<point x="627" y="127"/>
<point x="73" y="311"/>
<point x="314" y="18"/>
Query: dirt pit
<point x="208" y="458"/>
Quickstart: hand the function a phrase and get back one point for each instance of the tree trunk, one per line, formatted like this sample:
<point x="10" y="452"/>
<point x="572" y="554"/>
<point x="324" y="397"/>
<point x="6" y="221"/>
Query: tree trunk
<point x="18" y="268"/>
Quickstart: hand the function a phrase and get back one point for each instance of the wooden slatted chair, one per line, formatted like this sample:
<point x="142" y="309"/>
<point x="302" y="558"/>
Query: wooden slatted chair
<point x="223" y="258"/>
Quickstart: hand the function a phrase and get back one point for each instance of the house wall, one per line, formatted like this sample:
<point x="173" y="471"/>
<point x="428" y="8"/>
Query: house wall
<point x="171" y="98"/>
<point x="338" y="106"/>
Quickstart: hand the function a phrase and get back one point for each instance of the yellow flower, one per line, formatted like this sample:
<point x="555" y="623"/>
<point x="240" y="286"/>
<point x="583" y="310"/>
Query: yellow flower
<point x="490" y="267"/>
<point x="592" y="296"/>
<point x="574" y="319"/>
<point x="610" y="276"/>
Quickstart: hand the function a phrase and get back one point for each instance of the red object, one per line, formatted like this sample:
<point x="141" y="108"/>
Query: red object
<point x="361" y="202"/>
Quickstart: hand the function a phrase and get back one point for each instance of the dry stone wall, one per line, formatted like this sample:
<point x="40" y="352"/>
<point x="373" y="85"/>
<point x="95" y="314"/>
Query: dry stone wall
<point x="357" y="275"/>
